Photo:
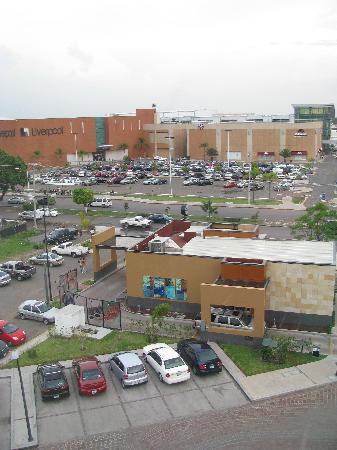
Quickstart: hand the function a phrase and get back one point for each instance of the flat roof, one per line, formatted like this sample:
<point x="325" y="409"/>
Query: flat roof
<point x="313" y="252"/>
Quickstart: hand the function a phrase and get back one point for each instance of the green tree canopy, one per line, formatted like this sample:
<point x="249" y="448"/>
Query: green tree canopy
<point x="13" y="172"/>
<point x="59" y="152"/>
<point x="208" y="208"/>
<point x="271" y="176"/>
<point x="83" y="196"/>
<point x="254" y="171"/>
<point x="141" y="145"/>
<point x="36" y="154"/>
<point x="318" y="223"/>
<point x="285" y="153"/>
<point x="211" y="152"/>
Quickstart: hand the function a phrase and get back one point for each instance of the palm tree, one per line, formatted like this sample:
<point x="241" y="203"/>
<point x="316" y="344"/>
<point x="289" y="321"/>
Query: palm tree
<point x="81" y="154"/>
<point x="141" y="144"/>
<point x="123" y="147"/>
<point x="204" y="146"/>
<point x="211" y="152"/>
<point x="59" y="152"/>
<point x="285" y="153"/>
<point x="36" y="154"/>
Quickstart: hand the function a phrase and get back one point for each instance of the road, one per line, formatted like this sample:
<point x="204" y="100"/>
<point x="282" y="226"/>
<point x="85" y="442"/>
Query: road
<point x="304" y="420"/>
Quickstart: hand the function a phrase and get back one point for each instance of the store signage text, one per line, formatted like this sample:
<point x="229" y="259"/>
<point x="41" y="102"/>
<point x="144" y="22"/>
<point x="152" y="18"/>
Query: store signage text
<point x="300" y="132"/>
<point x="46" y="131"/>
<point x="7" y="133"/>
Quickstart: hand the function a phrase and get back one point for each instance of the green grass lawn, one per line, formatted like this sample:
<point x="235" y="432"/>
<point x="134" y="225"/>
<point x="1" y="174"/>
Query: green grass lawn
<point x="57" y="348"/>
<point x="249" y="359"/>
<point x="16" y="245"/>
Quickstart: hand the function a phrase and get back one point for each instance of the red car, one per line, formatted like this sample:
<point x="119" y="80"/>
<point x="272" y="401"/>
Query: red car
<point x="230" y="184"/>
<point x="89" y="375"/>
<point x="11" y="333"/>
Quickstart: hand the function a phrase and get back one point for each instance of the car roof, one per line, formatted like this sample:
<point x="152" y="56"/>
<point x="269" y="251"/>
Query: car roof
<point x="129" y="359"/>
<point x="32" y="302"/>
<point x="51" y="368"/>
<point x="3" y="323"/>
<point x="166" y="353"/>
<point x="87" y="363"/>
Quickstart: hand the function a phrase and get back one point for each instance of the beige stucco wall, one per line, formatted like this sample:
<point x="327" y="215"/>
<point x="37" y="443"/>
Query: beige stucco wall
<point x="300" y="288"/>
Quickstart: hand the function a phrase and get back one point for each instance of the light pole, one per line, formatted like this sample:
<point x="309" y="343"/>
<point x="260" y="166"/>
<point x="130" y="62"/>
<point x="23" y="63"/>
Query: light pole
<point x="49" y="297"/>
<point x="228" y="131"/>
<point x="15" y="356"/>
<point x="249" y="177"/>
<point x="170" y="138"/>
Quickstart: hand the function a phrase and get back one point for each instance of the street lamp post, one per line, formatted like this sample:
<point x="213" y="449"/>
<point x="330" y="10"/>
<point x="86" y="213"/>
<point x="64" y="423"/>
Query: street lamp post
<point x="15" y="356"/>
<point x="170" y="138"/>
<point x="228" y="131"/>
<point x="49" y="297"/>
<point x="249" y="177"/>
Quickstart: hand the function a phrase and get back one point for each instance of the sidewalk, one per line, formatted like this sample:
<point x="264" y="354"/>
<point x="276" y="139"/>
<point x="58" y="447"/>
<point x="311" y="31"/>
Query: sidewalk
<point x="283" y="381"/>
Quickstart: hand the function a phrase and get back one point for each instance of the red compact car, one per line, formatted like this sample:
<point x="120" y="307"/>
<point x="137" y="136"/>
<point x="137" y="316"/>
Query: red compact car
<point x="230" y="184"/>
<point x="89" y="375"/>
<point x="11" y="333"/>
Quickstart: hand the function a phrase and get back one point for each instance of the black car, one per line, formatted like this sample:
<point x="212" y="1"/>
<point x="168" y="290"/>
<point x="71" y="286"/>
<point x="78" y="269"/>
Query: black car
<point x="4" y="349"/>
<point x="52" y="381"/>
<point x="199" y="356"/>
<point x="160" y="218"/>
<point x="60" y="235"/>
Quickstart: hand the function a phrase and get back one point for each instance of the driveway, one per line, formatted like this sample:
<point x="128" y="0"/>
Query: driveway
<point x="119" y="409"/>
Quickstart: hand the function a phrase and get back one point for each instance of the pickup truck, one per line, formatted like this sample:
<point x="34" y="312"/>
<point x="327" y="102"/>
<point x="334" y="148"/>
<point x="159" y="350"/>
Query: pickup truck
<point x="138" y="221"/>
<point x="18" y="270"/>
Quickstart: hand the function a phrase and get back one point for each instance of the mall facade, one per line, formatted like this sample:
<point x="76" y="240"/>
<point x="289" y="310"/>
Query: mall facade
<point x="143" y="134"/>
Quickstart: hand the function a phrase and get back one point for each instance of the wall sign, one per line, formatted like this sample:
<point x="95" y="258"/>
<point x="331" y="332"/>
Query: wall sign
<point x="300" y="132"/>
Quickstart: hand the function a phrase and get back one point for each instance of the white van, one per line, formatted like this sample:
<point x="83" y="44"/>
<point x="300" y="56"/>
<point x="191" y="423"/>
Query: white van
<point x="103" y="202"/>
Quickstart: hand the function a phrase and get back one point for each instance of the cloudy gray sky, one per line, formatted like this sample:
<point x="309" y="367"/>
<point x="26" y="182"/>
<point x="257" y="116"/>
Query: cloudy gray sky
<point x="81" y="57"/>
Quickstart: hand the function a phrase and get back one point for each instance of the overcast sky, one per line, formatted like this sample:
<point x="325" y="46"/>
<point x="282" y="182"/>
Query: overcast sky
<point x="91" y="58"/>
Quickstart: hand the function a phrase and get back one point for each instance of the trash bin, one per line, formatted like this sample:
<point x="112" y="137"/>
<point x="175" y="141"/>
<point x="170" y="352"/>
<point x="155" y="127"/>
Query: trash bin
<point x="315" y="350"/>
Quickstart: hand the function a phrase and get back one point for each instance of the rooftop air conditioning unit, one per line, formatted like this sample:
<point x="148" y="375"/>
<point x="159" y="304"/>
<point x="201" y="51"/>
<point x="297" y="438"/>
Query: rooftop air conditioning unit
<point x="157" y="246"/>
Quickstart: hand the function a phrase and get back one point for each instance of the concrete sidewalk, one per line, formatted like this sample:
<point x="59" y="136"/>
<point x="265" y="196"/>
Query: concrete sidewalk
<point x="283" y="381"/>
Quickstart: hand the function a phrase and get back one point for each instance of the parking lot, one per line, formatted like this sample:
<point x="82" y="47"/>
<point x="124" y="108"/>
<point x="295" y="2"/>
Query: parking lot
<point x="119" y="408"/>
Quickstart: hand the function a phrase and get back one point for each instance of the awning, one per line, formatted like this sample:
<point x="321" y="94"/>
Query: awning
<point x="265" y="153"/>
<point x="302" y="152"/>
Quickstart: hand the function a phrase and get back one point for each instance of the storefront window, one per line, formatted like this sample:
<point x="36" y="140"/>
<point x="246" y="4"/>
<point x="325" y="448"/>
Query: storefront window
<point x="170" y="288"/>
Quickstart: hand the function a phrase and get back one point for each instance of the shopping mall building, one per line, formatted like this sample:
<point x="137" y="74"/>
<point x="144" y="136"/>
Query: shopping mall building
<point x="145" y="134"/>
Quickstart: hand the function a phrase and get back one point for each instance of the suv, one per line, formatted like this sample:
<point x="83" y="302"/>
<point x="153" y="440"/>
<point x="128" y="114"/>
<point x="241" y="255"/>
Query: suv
<point x="52" y="381"/>
<point x="61" y="235"/>
<point x="128" y="368"/>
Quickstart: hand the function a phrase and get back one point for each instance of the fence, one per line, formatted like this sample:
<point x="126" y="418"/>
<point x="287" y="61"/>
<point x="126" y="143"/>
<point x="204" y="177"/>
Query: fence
<point x="100" y="313"/>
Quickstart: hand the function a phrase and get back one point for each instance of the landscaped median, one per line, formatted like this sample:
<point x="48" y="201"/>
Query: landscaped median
<point x="249" y="360"/>
<point x="57" y="348"/>
<point x="17" y="244"/>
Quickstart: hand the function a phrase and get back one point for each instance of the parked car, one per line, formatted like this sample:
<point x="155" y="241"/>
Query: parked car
<point x="138" y="221"/>
<point x="199" y="356"/>
<point x="29" y="215"/>
<point x="4" y="278"/>
<point x="128" y="368"/>
<point x="52" y="381"/>
<point x="59" y="235"/>
<point x="230" y="184"/>
<point x="4" y="349"/>
<point x="234" y="322"/>
<point x="16" y="201"/>
<point x="18" y="270"/>
<point x="167" y="363"/>
<point x="68" y="248"/>
<point x="160" y="218"/>
<point x="42" y="258"/>
<point x="101" y="202"/>
<point x="37" y="310"/>
<point x="89" y="376"/>
<point x="11" y="334"/>
<point x="205" y="182"/>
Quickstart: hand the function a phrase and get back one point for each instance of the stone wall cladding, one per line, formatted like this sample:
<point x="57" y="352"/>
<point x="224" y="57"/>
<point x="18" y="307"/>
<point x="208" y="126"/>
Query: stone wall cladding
<point x="300" y="288"/>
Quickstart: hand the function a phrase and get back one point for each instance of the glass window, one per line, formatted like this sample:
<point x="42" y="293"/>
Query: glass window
<point x="10" y="328"/>
<point x="135" y="369"/>
<point x="92" y="374"/>
<point x="174" y="362"/>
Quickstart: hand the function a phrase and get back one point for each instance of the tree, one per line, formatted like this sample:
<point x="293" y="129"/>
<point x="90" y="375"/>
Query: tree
<point x="318" y="223"/>
<point x="81" y="154"/>
<point x="141" y="145"/>
<point x="36" y="154"/>
<point x="123" y="147"/>
<point x="156" y="321"/>
<point x="270" y="178"/>
<point x="285" y="153"/>
<point x="59" y="152"/>
<point x="254" y="171"/>
<point x="204" y="147"/>
<point x="83" y="196"/>
<point x="211" y="152"/>
<point x="13" y="172"/>
<point x="208" y="208"/>
<point x="126" y="207"/>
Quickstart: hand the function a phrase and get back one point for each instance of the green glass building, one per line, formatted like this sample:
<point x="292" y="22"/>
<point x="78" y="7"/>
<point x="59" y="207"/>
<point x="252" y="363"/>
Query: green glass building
<point x="316" y="113"/>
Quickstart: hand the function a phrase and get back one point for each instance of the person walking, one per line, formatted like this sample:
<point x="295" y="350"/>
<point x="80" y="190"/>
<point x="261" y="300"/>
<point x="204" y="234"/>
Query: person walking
<point x="83" y="264"/>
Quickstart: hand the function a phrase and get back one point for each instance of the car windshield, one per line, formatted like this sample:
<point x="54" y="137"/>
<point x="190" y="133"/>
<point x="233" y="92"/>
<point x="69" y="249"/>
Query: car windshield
<point x="3" y="274"/>
<point x="91" y="374"/>
<point x="206" y="355"/>
<point x="174" y="362"/>
<point x="43" y="307"/>
<point x="53" y="380"/>
<point x="135" y="369"/>
<point x="10" y="328"/>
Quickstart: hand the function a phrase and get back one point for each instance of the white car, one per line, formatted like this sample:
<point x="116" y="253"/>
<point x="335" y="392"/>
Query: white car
<point x="167" y="363"/>
<point x="71" y="249"/>
<point x="138" y="221"/>
<point x="29" y="215"/>
<point x="47" y="212"/>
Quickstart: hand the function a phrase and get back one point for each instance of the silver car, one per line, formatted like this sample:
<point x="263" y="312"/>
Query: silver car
<point x="37" y="310"/>
<point x="53" y="259"/>
<point x="4" y="278"/>
<point x="128" y="368"/>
